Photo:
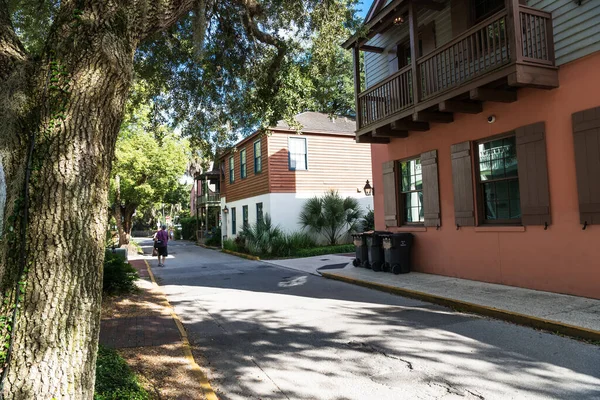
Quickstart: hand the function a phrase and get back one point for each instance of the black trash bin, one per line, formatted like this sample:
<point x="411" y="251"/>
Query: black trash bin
<point x="397" y="248"/>
<point x="362" y="254"/>
<point x="375" y="250"/>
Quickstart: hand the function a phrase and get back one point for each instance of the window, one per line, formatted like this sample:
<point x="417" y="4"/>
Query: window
<point x="411" y="191"/>
<point x="485" y="8"/>
<point x="231" y="169"/>
<point x="243" y="163"/>
<point x="233" y="220"/>
<point x="259" y="212"/>
<point x="499" y="181"/>
<point x="257" y="157"/>
<point x="245" y="216"/>
<point x="297" y="151"/>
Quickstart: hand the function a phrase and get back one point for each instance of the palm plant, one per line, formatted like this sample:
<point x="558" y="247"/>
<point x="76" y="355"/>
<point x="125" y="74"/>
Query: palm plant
<point x="262" y="237"/>
<point x="331" y="215"/>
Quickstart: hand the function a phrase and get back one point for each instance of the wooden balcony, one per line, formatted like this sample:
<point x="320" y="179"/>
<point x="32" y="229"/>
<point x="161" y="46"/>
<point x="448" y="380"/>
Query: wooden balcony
<point x="513" y="48"/>
<point x="211" y="199"/>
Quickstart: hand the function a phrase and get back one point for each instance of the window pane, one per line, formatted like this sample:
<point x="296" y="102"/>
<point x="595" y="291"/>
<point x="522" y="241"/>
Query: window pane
<point x="413" y="207"/>
<point x="497" y="166"/>
<point x="297" y="150"/>
<point x="498" y="159"/>
<point x="515" y="209"/>
<point x="502" y="209"/>
<point x="485" y="171"/>
<point x="502" y="190"/>
<point x="489" y="193"/>
<point x="513" y="186"/>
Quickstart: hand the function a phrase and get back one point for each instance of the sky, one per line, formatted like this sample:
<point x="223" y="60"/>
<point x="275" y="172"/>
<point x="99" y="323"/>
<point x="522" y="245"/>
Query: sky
<point x="364" y="7"/>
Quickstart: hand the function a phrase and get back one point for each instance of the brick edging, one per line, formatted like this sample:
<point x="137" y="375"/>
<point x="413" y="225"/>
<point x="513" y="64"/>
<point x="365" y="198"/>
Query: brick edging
<point x="505" y="315"/>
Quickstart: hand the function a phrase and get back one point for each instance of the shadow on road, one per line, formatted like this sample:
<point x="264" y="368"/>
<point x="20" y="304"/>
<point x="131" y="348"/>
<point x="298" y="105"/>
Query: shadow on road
<point x="304" y="332"/>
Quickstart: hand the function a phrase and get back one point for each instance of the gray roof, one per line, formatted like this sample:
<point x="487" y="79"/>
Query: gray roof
<point x="319" y="122"/>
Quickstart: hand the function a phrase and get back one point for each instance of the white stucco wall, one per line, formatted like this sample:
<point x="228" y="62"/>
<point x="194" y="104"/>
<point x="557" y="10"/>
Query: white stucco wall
<point x="284" y="209"/>
<point x="251" y="203"/>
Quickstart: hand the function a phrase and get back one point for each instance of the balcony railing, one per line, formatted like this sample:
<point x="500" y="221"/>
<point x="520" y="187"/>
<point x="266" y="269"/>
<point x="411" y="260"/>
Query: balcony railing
<point x="209" y="198"/>
<point x="485" y="47"/>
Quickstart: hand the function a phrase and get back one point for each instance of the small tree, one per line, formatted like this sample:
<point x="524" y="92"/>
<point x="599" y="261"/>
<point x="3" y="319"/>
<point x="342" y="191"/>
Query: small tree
<point x="331" y="215"/>
<point x="368" y="222"/>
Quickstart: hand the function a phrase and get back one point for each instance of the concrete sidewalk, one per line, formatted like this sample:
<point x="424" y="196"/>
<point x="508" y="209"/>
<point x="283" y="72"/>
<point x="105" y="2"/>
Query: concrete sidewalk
<point x="568" y="315"/>
<point x="314" y="265"/>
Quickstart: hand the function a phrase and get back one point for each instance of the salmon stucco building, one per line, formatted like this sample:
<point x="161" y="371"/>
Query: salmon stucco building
<point x="484" y="123"/>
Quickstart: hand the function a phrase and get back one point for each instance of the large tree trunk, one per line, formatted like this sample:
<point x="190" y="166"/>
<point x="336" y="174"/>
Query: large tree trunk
<point x="118" y="213"/>
<point x="73" y="100"/>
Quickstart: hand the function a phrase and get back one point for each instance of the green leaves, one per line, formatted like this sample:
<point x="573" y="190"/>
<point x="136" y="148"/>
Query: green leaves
<point x="331" y="215"/>
<point x="149" y="159"/>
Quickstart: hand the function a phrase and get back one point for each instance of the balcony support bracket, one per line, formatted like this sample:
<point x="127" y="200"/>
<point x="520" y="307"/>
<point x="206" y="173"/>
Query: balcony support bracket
<point x="405" y="125"/>
<point x="431" y="116"/>
<point x="462" y="107"/>
<point x="499" y="96"/>
<point x="389" y="132"/>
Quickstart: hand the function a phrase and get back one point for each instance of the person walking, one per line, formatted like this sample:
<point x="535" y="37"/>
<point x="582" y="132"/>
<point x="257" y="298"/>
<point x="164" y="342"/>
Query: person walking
<point x="161" y="239"/>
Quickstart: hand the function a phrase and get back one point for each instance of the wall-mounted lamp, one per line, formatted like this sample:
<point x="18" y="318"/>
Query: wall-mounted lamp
<point x="369" y="190"/>
<point x="225" y="210"/>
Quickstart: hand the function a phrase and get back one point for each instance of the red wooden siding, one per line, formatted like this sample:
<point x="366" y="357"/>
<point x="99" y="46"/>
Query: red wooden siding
<point x="334" y="162"/>
<point x="255" y="183"/>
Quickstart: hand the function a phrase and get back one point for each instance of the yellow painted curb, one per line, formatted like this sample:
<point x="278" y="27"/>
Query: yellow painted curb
<point x="209" y="393"/>
<point x="242" y="255"/>
<point x="517" y="318"/>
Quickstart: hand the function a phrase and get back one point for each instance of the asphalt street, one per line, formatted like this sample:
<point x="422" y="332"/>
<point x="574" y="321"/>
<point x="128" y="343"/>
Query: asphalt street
<point x="266" y="332"/>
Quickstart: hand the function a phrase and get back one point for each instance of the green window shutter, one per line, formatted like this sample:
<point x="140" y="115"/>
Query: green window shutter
<point x="586" y="134"/>
<point x="390" y="200"/>
<point x="462" y="182"/>
<point x="431" y="190"/>
<point x="533" y="174"/>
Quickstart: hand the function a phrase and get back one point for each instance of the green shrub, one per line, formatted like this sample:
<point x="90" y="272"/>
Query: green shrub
<point x="319" y="251"/>
<point x="114" y="378"/>
<point x="368" y="222"/>
<point x="231" y="245"/>
<point x="260" y="237"/>
<point x="300" y="240"/>
<point x="119" y="276"/>
<point x="215" y="239"/>
<point x="188" y="228"/>
<point x="331" y="216"/>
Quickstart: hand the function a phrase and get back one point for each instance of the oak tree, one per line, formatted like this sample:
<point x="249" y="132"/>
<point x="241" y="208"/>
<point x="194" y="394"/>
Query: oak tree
<point x="66" y="70"/>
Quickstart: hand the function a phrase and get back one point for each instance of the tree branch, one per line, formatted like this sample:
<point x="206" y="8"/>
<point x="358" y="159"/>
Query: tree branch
<point x="12" y="51"/>
<point x="252" y="10"/>
<point x="160" y="15"/>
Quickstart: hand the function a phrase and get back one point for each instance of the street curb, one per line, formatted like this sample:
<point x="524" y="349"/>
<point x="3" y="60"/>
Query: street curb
<point x="208" y="247"/>
<point x="505" y="315"/>
<point x="242" y="255"/>
<point x="187" y="348"/>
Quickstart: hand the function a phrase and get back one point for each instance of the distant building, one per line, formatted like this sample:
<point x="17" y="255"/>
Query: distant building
<point x="277" y="172"/>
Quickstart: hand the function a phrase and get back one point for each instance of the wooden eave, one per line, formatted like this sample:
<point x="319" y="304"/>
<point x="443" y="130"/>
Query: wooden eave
<point x="375" y="25"/>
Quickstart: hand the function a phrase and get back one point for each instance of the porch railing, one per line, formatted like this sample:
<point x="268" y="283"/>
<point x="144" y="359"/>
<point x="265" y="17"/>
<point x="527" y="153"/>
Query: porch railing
<point x="537" y="36"/>
<point x="481" y="49"/>
<point x="387" y="97"/>
<point x="485" y="47"/>
<point x="209" y="198"/>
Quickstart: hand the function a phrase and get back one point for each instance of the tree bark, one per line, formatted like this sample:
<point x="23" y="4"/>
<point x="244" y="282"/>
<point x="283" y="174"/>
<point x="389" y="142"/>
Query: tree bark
<point x="73" y="99"/>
